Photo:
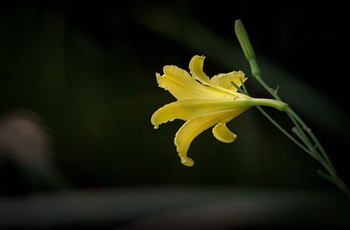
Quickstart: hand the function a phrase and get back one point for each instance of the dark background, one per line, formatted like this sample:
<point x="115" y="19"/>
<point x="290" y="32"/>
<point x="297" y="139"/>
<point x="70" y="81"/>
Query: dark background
<point x="81" y="76"/>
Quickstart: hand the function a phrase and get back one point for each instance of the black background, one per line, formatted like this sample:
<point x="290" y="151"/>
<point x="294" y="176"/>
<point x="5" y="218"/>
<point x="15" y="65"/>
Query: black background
<point x="308" y="41"/>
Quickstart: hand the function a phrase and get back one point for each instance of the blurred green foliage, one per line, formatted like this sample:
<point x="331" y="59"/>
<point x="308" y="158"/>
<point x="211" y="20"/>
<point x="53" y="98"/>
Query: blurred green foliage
<point x="88" y="71"/>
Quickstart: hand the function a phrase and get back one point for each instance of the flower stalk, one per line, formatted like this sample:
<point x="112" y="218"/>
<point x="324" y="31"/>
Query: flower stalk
<point x="308" y="142"/>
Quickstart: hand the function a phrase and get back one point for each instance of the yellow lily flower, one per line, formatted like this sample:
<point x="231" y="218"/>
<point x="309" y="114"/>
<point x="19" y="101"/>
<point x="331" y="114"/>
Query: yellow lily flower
<point x="203" y="103"/>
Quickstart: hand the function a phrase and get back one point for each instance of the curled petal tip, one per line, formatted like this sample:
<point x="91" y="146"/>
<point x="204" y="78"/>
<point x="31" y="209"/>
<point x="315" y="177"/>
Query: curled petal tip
<point x="223" y="134"/>
<point x="187" y="161"/>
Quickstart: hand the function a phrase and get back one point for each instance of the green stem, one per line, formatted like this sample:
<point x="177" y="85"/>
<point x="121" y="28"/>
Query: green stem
<point x="314" y="138"/>
<point x="339" y="183"/>
<point x="279" y="105"/>
<point x="301" y="126"/>
<point x="261" y="110"/>
<point x="301" y="129"/>
<point x="289" y="111"/>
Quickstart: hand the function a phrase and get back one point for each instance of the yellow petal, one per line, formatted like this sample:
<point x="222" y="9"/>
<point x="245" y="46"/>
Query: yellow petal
<point x="195" y="108"/>
<point x="196" y="69"/>
<point x="225" y="80"/>
<point x="182" y="86"/>
<point x="192" y="128"/>
<point x="223" y="134"/>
